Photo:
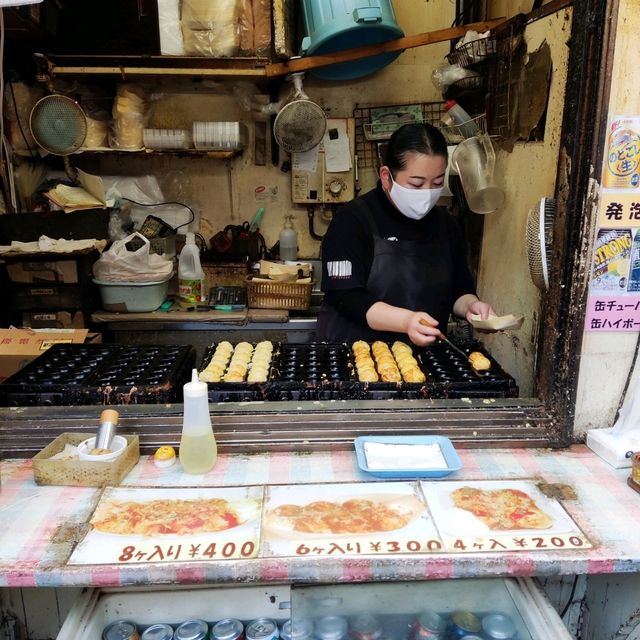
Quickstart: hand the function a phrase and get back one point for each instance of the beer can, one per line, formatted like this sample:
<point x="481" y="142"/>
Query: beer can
<point x="331" y="628"/>
<point x="428" y="625"/>
<point x="635" y="468"/>
<point x="366" y="626"/>
<point x="191" y="630"/>
<point x="464" y="623"/>
<point x="298" y="629"/>
<point x="158" y="632"/>
<point x="121" y="630"/>
<point x="227" y="629"/>
<point x="262" y="629"/>
<point x="498" y="626"/>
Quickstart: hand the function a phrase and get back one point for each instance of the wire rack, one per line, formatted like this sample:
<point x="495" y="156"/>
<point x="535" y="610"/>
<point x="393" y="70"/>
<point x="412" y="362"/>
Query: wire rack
<point x="370" y="142"/>
<point x="473" y="52"/>
<point x="501" y="80"/>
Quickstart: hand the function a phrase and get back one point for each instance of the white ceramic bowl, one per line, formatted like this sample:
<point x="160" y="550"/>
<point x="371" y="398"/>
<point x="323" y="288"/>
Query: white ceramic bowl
<point x="118" y="446"/>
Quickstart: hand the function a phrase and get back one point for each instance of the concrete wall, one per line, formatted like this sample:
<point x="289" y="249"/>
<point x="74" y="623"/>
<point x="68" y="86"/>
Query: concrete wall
<point x="526" y="174"/>
<point x="606" y="357"/>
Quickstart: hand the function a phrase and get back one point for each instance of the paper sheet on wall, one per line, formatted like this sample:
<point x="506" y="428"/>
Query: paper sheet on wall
<point x="306" y="161"/>
<point x="337" y="155"/>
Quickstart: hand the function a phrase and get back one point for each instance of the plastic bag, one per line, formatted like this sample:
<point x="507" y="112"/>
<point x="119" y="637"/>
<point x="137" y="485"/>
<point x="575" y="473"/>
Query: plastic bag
<point x="254" y="20"/>
<point x="629" y="417"/>
<point x="169" y="26"/>
<point x="118" y="264"/>
<point x="210" y="28"/>
<point x="446" y="75"/>
<point x="129" y="117"/>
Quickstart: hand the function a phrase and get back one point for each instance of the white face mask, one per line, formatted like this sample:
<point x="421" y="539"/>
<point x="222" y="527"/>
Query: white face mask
<point x="414" y="203"/>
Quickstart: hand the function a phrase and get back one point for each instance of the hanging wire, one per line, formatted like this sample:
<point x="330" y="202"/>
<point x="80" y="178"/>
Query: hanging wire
<point x="161" y="204"/>
<point x="15" y="106"/>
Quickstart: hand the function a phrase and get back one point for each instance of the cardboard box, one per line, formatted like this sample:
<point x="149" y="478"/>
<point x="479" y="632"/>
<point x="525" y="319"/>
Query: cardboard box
<point x="54" y="319"/>
<point x="18" y="347"/>
<point x="38" y="271"/>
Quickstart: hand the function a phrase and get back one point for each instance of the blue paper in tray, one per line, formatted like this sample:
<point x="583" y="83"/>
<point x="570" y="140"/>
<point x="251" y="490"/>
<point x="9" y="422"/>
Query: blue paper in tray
<point x="448" y="452"/>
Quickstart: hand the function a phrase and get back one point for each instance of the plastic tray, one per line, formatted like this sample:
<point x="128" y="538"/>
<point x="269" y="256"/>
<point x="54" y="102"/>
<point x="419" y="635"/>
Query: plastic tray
<point x="449" y="453"/>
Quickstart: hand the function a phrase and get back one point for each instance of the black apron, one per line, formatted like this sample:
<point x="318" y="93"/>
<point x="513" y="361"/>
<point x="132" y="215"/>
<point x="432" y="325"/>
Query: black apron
<point x="404" y="273"/>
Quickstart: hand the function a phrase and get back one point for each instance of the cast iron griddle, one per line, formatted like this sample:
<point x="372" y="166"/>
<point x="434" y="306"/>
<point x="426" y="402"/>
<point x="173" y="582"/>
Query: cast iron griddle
<point x="89" y="374"/>
<point x="320" y="371"/>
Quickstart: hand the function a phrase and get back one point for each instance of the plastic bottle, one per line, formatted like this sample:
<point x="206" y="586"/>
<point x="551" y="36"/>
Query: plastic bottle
<point x="464" y="122"/>
<point x="288" y="241"/>
<point x="198" y="449"/>
<point x="190" y="274"/>
<point x="634" y="267"/>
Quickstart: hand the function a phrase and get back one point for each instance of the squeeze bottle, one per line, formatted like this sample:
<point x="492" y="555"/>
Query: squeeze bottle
<point x="288" y="241"/>
<point x="198" y="449"/>
<point x="190" y="274"/>
<point x="468" y="127"/>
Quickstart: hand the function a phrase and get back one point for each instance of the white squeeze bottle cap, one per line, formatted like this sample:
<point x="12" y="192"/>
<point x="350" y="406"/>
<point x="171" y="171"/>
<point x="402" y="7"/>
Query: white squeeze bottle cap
<point x="196" y="406"/>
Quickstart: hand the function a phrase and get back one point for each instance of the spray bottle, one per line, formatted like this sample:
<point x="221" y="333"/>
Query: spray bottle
<point x="465" y="123"/>
<point x="190" y="274"/>
<point x="198" y="450"/>
<point x="288" y="240"/>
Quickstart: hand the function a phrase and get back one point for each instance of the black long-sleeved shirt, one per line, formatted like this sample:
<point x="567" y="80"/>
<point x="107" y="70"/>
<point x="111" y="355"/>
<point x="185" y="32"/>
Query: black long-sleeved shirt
<point x="347" y="252"/>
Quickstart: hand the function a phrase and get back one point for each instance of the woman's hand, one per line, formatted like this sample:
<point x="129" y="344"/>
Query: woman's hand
<point x="385" y="317"/>
<point x="467" y="305"/>
<point x="479" y="308"/>
<point x="421" y="328"/>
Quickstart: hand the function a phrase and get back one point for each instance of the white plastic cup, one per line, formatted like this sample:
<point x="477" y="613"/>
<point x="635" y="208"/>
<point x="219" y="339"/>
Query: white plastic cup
<point x="474" y="160"/>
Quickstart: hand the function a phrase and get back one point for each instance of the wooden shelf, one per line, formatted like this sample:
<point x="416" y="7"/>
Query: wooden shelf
<point x="124" y="67"/>
<point x="184" y="153"/>
<point x="187" y="153"/>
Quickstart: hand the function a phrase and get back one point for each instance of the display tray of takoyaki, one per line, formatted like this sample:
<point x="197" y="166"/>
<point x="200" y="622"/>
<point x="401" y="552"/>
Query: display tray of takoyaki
<point x="361" y="370"/>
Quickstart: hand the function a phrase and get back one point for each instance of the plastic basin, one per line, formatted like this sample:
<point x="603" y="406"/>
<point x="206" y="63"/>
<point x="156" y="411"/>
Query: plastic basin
<point x="133" y="296"/>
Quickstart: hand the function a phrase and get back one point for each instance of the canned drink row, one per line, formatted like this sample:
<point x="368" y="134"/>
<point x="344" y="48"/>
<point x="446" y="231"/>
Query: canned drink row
<point x="463" y="625"/>
<point x="427" y="625"/>
<point x="227" y="629"/>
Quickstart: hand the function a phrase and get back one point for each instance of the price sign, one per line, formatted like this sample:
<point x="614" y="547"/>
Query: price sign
<point x="510" y="542"/>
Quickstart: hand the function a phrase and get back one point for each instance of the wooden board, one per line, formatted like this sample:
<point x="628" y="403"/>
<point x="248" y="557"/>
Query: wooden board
<point x="172" y="316"/>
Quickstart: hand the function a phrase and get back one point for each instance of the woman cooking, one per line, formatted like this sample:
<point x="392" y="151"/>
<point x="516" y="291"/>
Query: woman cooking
<point x="392" y="262"/>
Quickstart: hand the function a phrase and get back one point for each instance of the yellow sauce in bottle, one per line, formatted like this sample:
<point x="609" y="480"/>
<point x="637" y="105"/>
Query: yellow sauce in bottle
<point x="198" y="453"/>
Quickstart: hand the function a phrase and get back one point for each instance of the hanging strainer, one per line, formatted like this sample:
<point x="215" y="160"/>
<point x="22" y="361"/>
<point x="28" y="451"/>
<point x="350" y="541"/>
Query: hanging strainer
<point x="58" y="124"/>
<point x="300" y="123"/>
<point x="539" y="240"/>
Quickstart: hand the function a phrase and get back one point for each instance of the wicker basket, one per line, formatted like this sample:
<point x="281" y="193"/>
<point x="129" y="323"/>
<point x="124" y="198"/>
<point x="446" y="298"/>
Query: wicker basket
<point x="83" y="473"/>
<point x="279" y="295"/>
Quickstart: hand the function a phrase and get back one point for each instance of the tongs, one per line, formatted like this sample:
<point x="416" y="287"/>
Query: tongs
<point x="442" y="337"/>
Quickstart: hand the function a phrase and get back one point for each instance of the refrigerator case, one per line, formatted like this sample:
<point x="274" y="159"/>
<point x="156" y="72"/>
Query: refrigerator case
<point x="396" y="604"/>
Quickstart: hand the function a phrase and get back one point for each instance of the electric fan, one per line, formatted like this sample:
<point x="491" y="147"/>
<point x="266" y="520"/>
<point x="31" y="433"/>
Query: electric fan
<point x="300" y="123"/>
<point x="539" y="241"/>
<point x="58" y="124"/>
